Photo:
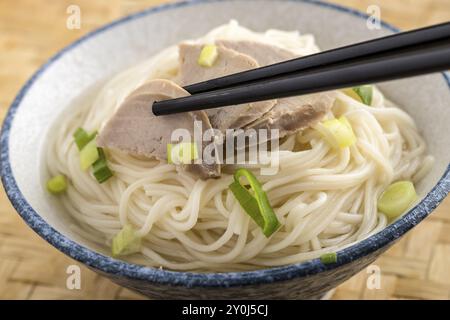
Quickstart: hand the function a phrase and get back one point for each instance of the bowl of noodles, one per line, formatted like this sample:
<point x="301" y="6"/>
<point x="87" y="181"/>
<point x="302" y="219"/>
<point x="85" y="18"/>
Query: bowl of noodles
<point x="96" y="180"/>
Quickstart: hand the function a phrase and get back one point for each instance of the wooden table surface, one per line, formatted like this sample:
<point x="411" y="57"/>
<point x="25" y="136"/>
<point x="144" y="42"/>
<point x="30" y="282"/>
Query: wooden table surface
<point x="418" y="267"/>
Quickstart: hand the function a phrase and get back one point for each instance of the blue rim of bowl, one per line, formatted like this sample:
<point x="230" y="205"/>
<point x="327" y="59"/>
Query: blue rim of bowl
<point x="119" y="268"/>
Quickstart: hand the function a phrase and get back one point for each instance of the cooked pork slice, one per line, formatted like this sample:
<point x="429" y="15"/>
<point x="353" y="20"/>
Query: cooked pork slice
<point x="293" y="114"/>
<point x="228" y="62"/>
<point x="263" y="53"/>
<point x="136" y="130"/>
<point x="289" y="114"/>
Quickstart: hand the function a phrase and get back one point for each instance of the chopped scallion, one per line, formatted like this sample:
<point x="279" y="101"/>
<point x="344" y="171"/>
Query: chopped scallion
<point x="82" y="138"/>
<point x="256" y="205"/>
<point x="208" y="55"/>
<point x="57" y="184"/>
<point x="126" y="242"/>
<point x="182" y="153"/>
<point x="397" y="198"/>
<point x="88" y="155"/>
<point x="327" y="258"/>
<point x="363" y="94"/>
<point x="100" y="168"/>
<point x="337" y="132"/>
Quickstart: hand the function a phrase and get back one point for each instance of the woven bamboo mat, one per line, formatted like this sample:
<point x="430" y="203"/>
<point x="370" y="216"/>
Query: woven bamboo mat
<point x="418" y="267"/>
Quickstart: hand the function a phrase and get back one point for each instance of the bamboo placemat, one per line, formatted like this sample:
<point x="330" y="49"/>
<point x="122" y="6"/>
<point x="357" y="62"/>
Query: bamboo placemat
<point x="418" y="267"/>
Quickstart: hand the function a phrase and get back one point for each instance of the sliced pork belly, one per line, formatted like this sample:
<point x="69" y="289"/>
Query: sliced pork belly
<point x="228" y="62"/>
<point x="134" y="129"/>
<point x="289" y="114"/>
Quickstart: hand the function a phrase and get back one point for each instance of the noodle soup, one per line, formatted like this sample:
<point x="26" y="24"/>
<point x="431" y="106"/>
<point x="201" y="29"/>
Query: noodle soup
<point x="325" y="195"/>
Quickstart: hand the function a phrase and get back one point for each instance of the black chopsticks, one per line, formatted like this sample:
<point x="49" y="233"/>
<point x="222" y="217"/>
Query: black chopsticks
<point x="398" y="56"/>
<point x="338" y="55"/>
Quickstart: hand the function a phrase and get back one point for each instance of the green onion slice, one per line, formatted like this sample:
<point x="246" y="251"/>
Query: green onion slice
<point x="327" y="258"/>
<point x="182" y="153"/>
<point x="126" y="242"/>
<point x="100" y="168"/>
<point x="208" y="56"/>
<point x="256" y="205"/>
<point x="88" y="155"/>
<point x="82" y="138"/>
<point x="364" y="93"/>
<point x="397" y="198"/>
<point x="337" y="132"/>
<point x="57" y="184"/>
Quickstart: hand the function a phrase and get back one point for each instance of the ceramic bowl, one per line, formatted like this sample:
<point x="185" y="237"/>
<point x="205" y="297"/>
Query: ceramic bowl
<point x="104" y="52"/>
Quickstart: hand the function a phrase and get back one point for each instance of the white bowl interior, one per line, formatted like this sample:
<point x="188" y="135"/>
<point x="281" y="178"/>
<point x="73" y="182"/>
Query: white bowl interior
<point x="83" y="67"/>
